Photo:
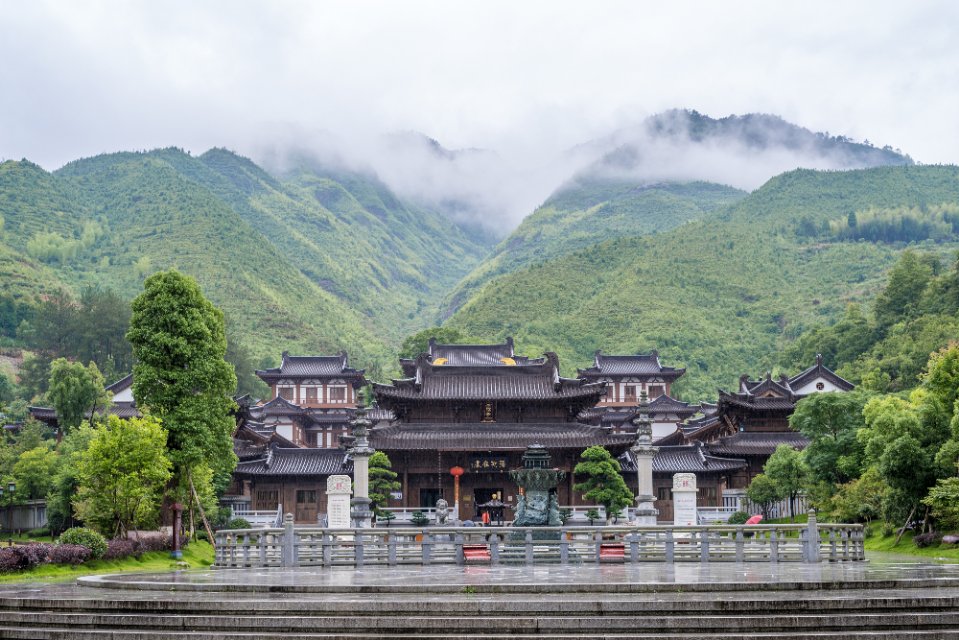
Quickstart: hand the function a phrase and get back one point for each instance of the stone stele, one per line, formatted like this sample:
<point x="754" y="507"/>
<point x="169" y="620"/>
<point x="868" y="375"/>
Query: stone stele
<point x="684" y="500"/>
<point x="339" y="489"/>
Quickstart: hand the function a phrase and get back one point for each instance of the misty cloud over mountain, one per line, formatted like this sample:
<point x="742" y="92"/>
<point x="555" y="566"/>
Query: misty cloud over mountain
<point x="494" y="191"/>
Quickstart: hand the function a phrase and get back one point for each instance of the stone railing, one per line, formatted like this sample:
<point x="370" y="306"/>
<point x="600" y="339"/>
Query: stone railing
<point x="291" y="546"/>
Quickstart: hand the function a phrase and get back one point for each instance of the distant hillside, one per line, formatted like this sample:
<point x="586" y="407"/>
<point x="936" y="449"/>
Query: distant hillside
<point x="309" y="264"/>
<point x="585" y="212"/>
<point x="720" y="296"/>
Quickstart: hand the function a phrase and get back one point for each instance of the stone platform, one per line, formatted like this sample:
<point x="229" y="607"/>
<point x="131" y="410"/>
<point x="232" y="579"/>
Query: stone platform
<point x="884" y="572"/>
<point x="887" y="597"/>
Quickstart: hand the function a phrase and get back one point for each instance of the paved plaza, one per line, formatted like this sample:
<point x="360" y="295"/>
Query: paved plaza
<point x="879" y="572"/>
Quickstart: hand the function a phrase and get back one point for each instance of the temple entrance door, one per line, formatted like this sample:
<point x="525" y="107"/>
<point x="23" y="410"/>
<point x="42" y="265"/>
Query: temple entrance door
<point x="482" y="495"/>
<point x="306" y="508"/>
<point x="428" y="498"/>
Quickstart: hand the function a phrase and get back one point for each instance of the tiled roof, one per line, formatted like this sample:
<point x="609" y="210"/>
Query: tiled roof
<point x="123" y="410"/>
<point x="658" y="408"/>
<point x="277" y="407"/>
<point x="684" y="459"/>
<point x="667" y="404"/>
<point x="121" y="384"/>
<point x="472" y="355"/>
<point x="507" y="383"/>
<point x="642" y="364"/>
<point x="376" y="414"/>
<point x="299" y="462"/>
<point x="819" y="370"/>
<point x="674" y="438"/>
<point x="493" y="436"/>
<point x="337" y="366"/>
<point x="757" y="402"/>
<point x="757" y="443"/>
<point x="246" y="450"/>
<point x="767" y="385"/>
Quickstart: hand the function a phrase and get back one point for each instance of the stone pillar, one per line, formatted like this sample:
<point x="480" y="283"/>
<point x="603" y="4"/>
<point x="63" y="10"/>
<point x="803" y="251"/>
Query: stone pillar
<point x="361" y="452"/>
<point x="684" y="500"/>
<point x="643" y="453"/>
<point x="177" y="552"/>
<point x="338" y="492"/>
<point x="456" y="472"/>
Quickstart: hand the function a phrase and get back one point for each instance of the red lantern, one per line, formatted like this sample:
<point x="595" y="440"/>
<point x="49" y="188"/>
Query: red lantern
<point x="456" y="472"/>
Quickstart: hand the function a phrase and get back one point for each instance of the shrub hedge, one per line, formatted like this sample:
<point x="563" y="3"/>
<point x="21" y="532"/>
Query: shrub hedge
<point x="89" y="538"/>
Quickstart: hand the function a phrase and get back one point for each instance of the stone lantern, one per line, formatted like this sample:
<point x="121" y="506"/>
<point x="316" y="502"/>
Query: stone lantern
<point x="360" y="452"/>
<point x="644" y="452"/>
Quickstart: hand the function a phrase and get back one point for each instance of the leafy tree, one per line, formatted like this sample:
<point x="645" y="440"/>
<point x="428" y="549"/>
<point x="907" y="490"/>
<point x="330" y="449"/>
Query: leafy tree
<point x="34" y="472"/>
<point x="35" y="376"/>
<point x="382" y="481"/>
<point x="788" y="470"/>
<point x="907" y="281"/>
<point x="897" y="441"/>
<point x="830" y="421"/>
<point x="102" y="321"/>
<point x="604" y="483"/>
<point x="764" y="491"/>
<point x="7" y="391"/>
<point x="943" y="499"/>
<point x="122" y="475"/>
<point x="17" y="411"/>
<point x="32" y="434"/>
<point x="247" y="383"/>
<point x="53" y="328"/>
<point x="860" y="500"/>
<point x="66" y="482"/>
<point x="180" y="375"/>
<point x="75" y="392"/>
<point x="417" y="343"/>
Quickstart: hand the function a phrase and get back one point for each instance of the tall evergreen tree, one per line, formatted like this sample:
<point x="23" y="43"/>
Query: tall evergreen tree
<point x="181" y="376"/>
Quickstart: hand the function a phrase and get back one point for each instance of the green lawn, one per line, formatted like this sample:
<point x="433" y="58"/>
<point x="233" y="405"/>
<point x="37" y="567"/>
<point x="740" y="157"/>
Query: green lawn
<point x="875" y="541"/>
<point x="196" y="555"/>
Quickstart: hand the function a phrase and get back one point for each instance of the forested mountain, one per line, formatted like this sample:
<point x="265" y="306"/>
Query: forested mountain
<point x="722" y="295"/>
<point x="645" y="248"/>
<point x="676" y="142"/>
<point x="591" y="210"/>
<point x="310" y="263"/>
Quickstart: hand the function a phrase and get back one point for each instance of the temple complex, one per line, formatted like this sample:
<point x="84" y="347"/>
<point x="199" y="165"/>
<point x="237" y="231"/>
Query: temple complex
<point x="464" y="415"/>
<point x="461" y="416"/>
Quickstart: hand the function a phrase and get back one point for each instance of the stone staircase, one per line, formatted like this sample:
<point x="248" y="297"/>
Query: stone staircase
<point x="850" y="614"/>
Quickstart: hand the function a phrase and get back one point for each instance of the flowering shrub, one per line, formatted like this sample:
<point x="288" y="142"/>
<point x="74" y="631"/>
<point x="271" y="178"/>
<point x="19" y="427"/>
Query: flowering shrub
<point x="121" y="548"/>
<point x="69" y="554"/>
<point x="89" y="538"/>
<point x="926" y="539"/>
<point x="154" y="542"/>
<point x="24" y="556"/>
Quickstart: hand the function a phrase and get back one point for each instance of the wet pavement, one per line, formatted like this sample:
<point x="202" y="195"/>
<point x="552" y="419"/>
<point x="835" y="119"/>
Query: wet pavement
<point x="880" y="571"/>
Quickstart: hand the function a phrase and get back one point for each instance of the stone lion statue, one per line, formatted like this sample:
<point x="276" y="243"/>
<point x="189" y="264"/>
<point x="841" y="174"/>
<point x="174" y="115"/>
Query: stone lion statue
<point x="442" y="511"/>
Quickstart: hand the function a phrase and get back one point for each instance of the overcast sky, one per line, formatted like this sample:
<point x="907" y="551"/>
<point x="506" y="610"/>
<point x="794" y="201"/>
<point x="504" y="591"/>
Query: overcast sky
<point x="526" y="79"/>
